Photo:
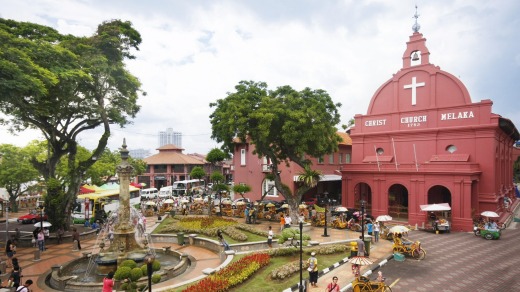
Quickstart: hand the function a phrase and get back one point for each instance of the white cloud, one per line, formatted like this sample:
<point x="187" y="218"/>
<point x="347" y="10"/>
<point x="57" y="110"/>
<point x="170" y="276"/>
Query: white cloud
<point x="193" y="52"/>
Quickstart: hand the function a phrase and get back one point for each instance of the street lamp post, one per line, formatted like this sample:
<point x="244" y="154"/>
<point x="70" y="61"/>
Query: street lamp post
<point x="326" y="200"/>
<point x="363" y="220"/>
<point x="41" y="217"/>
<point x="149" y="269"/>
<point x="300" y="220"/>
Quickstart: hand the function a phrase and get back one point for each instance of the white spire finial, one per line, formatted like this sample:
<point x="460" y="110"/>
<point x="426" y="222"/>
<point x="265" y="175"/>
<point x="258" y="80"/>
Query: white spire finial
<point x="416" y="25"/>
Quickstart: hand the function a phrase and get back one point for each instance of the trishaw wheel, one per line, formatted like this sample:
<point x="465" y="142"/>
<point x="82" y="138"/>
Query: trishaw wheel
<point x="385" y="288"/>
<point x="419" y="254"/>
<point x="488" y="236"/>
<point x="477" y="232"/>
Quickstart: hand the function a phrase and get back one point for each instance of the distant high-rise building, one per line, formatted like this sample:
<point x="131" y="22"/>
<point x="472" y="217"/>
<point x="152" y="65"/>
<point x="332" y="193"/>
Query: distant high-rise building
<point x="139" y="153"/>
<point x="170" y="137"/>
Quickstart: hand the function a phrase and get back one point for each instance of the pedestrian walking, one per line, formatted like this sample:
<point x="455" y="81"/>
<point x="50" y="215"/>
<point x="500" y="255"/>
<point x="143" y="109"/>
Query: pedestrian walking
<point x="282" y="221"/>
<point x="376" y="232"/>
<point x="25" y="287"/>
<point x="246" y="214"/>
<point x="270" y="235"/>
<point x="60" y="232"/>
<point x="41" y="240"/>
<point x="10" y="250"/>
<point x="333" y="286"/>
<point x="75" y="237"/>
<point x="288" y="221"/>
<point x="313" y="270"/>
<point x="360" y="246"/>
<point x="370" y="228"/>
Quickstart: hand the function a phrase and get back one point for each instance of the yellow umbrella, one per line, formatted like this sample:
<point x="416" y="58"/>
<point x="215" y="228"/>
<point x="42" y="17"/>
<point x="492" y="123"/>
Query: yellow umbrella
<point x="269" y="205"/>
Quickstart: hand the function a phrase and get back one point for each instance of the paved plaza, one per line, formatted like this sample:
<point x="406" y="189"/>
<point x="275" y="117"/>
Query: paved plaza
<point x="455" y="261"/>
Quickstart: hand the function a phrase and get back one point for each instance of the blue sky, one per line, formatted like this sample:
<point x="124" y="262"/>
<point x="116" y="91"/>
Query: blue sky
<point x="194" y="52"/>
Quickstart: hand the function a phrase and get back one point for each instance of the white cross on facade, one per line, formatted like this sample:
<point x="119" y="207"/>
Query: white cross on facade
<point x="414" y="86"/>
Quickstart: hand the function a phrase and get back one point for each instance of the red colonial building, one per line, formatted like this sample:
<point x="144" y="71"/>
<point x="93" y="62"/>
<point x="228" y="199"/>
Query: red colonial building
<point x="424" y="141"/>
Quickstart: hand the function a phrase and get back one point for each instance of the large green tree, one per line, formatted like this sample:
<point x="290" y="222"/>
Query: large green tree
<point x="285" y="125"/>
<point x="65" y="85"/>
<point x="17" y="174"/>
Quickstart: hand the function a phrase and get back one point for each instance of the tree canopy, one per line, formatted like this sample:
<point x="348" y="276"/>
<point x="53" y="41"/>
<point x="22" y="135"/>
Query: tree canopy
<point x="16" y="172"/>
<point x="284" y="125"/>
<point x="64" y="85"/>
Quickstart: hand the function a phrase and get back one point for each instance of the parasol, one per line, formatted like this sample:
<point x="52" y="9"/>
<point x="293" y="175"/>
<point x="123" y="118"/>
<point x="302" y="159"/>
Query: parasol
<point x="168" y="201"/>
<point x="197" y="199"/>
<point x="285" y="206"/>
<point x="302" y="206"/>
<point x="383" y="218"/>
<point x="184" y="201"/>
<point x="341" y="209"/>
<point x="226" y="202"/>
<point x="359" y="260"/>
<point x="269" y="205"/>
<point x="399" y="229"/>
<point x="489" y="214"/>
<point x="240" y="203"/>
<point x="43" y="224"/>
<point x="150" y="203"/>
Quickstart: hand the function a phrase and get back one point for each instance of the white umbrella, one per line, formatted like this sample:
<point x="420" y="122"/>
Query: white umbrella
<point x="359" y="260"/>
<point x="44" y="224"/>
<point x="270" y="205"/>
<point x="341" y="209"/>
<point x="184" y="201"/>
<point x="398" y="229"/>
<point x="383" y="218"/>
<point x="168" y="201"/>
<point x="240" y="203"/>
<point x="489" y="214"/>
<point x="285" y="206"/>
<point x="302" y="206"/>
<point x="197" y="199"/>
<point x="150" y="203"/>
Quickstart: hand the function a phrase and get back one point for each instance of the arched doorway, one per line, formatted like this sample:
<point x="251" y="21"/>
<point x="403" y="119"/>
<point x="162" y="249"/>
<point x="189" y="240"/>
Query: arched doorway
<point x="398" y="202"/>
<point x="439" y="194"/>
<point x="362" y="191"/>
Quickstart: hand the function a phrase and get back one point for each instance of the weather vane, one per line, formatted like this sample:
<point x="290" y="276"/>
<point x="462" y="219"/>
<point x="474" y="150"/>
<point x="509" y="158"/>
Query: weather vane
<point x="416" y="25"/>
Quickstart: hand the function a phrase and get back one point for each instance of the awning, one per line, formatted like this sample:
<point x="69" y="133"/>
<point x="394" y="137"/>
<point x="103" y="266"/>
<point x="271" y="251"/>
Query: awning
<point x="436" y="207"/>
<point x="324" y="177"/>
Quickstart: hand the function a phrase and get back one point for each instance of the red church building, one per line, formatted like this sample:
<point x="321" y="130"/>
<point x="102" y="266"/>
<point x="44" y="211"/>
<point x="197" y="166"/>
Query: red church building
<point x="424" y="141"/>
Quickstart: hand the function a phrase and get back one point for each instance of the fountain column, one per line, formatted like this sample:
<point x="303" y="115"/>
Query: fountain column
<point x="124" y="230"/>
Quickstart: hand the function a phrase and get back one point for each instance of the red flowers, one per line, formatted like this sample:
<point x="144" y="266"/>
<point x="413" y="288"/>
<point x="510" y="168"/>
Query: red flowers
<point x="232" y="275"/>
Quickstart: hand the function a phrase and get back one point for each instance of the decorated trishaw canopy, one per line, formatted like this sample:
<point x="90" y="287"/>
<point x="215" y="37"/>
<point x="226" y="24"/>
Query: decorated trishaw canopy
<point x="436" y="207"/>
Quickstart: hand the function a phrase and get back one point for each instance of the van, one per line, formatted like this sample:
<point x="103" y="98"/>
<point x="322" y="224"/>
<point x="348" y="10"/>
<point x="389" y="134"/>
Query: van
<point x="150" y="193"/>
<point x="165" y="192"/>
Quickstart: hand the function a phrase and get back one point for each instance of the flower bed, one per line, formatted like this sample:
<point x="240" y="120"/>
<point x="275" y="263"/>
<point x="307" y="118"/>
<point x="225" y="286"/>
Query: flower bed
<point x="232" y="275"/>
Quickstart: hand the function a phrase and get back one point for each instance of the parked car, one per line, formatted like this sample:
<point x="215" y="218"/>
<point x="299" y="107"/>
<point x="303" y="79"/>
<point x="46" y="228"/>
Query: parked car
<point x="32" y="217"/>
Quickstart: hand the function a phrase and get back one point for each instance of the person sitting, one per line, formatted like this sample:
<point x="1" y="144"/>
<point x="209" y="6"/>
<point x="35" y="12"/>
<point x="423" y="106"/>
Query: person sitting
<point x="404" y="240"/>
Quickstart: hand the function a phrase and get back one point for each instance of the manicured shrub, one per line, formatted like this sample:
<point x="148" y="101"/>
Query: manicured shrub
<point x="156" y="266"/>
<point x="122" y="273"/>
<point x="129" y="263"/>
<point x="136" y="274"/>
<point x="156" y="278"/>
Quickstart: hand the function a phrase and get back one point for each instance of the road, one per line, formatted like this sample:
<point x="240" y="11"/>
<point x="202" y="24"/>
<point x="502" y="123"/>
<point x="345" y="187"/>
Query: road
<point x="459" y="262"/>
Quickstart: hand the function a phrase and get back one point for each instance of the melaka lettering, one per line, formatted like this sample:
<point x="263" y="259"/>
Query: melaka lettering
<point x="456" y="116"/>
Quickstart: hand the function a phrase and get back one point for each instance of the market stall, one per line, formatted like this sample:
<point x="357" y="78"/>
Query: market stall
<point x="438" y="216"/>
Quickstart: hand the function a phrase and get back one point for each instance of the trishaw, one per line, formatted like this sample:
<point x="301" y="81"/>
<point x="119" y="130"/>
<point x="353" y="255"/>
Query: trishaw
<point x="486" y="233"/>
<point x="362" y="283"/>
<point x="339" y="222"/>
<point x="404" y="246"/>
